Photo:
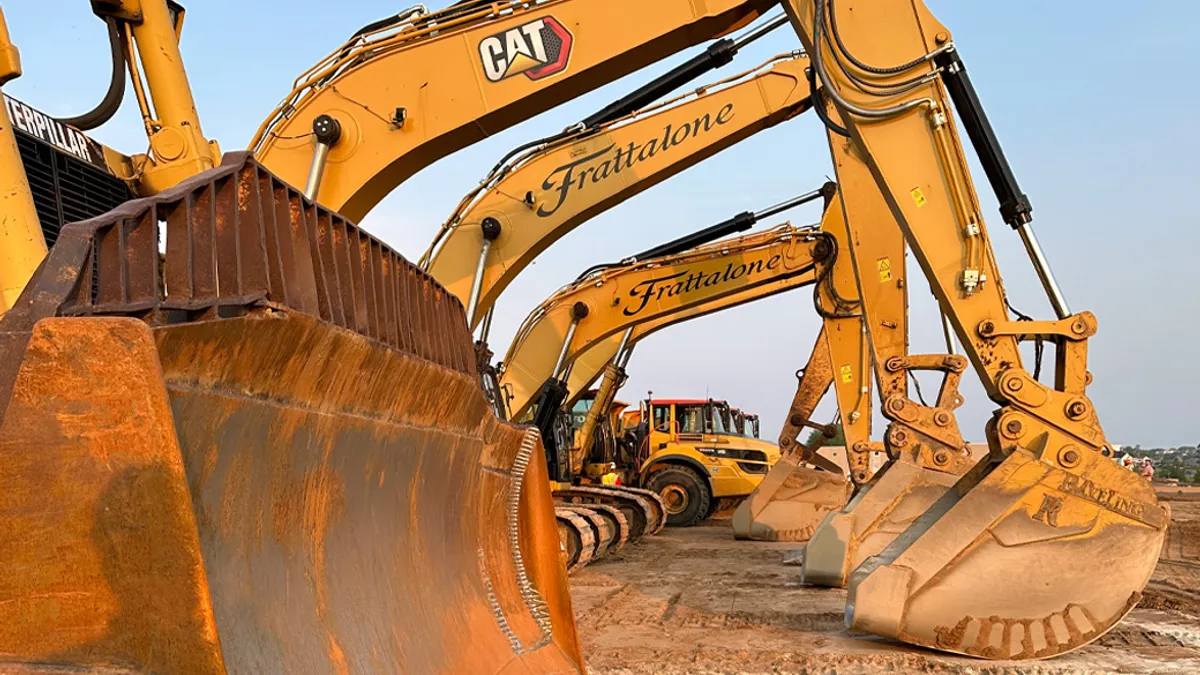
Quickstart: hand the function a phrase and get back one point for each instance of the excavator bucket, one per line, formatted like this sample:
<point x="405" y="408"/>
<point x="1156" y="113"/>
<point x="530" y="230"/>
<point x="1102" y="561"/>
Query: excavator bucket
<point x="882" y="509"/>
<point x="790" y="502"/>
<point x="264" y="450"/>
<point x="1019" y="559"/>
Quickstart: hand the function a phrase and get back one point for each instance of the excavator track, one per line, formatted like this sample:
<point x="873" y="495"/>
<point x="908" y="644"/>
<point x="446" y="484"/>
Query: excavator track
<point x="643" y="509"/>
<point x="656" y="502"/>
<point x="577" y="538"/>
<point x="615" y="520"/>
<point x="602" y="530"/>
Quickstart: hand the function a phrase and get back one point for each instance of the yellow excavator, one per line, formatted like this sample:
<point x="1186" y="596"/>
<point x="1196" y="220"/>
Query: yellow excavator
<point x="972" y="573"/>
<point x="596" y="307"/>
<point x="210" y="452"/>
<point x="816" y="492"/>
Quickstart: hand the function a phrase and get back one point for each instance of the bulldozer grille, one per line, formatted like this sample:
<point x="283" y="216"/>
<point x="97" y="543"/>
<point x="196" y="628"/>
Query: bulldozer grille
<point x="65" y="189"/>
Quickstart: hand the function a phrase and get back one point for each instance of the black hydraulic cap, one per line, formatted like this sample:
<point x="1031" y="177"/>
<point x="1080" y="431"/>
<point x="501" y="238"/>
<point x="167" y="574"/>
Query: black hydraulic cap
<point x="1014" y="205"/>
<point x="491" y="228"/>
<point x="327" y="129"/>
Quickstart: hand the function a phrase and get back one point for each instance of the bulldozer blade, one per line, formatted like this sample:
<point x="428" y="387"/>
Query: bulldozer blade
<point x="1019" y="560"/>
<point x="883" y="508"/>
<point x="266" y="451"/>
<point x="789" y="503"/>
<point x="577" y="536"/>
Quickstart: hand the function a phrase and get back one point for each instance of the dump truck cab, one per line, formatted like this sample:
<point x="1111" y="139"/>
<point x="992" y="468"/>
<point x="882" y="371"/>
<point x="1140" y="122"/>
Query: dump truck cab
<point x="744" y="423"/>
<point x="690" y="453"/>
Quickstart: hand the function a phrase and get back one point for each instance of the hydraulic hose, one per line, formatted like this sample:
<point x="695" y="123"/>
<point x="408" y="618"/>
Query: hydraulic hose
<point x="818" y="104"/>
<point x="108" y="106"/>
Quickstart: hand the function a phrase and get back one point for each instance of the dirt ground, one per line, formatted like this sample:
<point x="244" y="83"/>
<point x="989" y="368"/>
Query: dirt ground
<point x="696" y="601"/>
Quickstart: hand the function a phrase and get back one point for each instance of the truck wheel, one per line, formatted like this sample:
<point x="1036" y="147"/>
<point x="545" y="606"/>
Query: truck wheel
<point x="684" y="493"/>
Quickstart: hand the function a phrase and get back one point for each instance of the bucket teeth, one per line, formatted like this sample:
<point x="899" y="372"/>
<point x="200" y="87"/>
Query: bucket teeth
<point x="1027" y="561"/>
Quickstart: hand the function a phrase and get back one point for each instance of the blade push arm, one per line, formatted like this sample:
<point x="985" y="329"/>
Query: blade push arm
<point x="524" y="207"/>
<point x="406" y="95"/>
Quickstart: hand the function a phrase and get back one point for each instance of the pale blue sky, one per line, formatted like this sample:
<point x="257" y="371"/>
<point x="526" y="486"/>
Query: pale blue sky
<point x="1095" y="103"/>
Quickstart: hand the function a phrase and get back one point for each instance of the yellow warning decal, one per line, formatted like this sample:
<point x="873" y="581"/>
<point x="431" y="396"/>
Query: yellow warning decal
<point x="918" y="197"/>
<point x="885" y="269"/>
<point x="847" y="374"/>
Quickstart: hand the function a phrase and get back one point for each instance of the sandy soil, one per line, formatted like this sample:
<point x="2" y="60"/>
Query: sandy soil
<point x="696" y="601"/>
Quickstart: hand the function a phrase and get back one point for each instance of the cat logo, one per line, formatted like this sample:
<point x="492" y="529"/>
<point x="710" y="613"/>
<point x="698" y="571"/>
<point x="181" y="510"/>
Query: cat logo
<point x="538" y="49"/>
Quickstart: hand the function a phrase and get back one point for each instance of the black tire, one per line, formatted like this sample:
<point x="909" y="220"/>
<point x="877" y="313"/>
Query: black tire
<point x="685" y="494"/>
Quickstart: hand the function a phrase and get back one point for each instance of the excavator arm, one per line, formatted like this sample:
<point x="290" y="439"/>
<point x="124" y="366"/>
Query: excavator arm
<point x="608" y="302"/>
<point x="523" y="206"/>
<point x="402" y="94"/>
<point x="1045" y="546"/>
<point x="790" y="503"/>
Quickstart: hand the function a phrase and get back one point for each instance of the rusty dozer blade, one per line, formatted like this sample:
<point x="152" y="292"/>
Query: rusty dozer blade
<point x="790" y="502"/>
<point x="1020" y="559"/>
<point x="266" y="451"/>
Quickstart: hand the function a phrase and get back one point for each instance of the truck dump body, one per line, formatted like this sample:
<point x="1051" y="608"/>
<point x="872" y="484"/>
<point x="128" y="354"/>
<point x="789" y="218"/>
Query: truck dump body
<point x="266" y="452"/>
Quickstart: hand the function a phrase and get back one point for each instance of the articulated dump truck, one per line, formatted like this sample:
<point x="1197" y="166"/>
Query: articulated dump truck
<point x="238" y="433"/>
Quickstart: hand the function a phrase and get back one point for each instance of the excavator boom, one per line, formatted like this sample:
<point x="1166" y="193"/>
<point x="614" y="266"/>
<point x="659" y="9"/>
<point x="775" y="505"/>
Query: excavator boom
<point x="524" y="206"/>
<point x="588" y="366"/>
<point x="397" y="98"/>
<point x="792" y="501"/>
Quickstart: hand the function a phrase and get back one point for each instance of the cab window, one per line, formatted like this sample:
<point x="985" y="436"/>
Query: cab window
<point x="662" y="418"/>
